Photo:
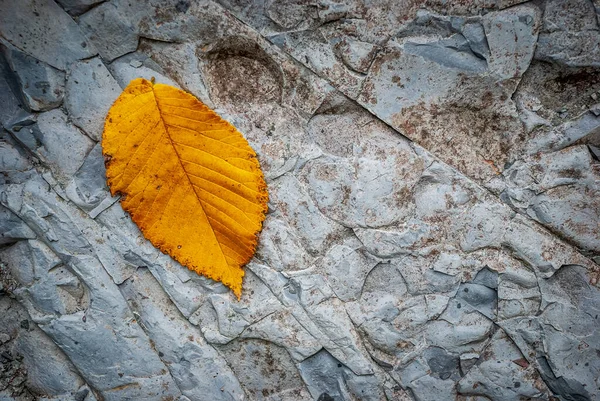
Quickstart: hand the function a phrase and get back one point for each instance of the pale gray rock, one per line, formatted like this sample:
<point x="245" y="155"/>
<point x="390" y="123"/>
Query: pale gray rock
<point x="42" y="86"/>
<point x="91" y="91"/>
<point x="43" y="30"/>
<point x="511" y="37"/>
<point x="110" y="32"/>
<point x="355" y="204"/>
<point x="88" y="187"/>
<point x="559" y="190"/>
<point x="28" y="374"/>
<point x="311" y="302"/>
<point x="279" y="379"/>
<point x="56" y="142"/>
<point x="283" y="329"/>
<point x="357" y="55"/>
<point x="568" y="320"/>
<point x="173" y="21"/>
<point x="199" y="371"/>
<point x="452" y="52"/>
<point x="15" y="163"/>
<point x="48" y="287"/>
<point x="500" y="375"/>
<point x="280" y="248"/>
<point x="248" y="311"/>
<point x="126" y="68"/>
<point x="391" y="243"/>
<point x="324" y="61"/>
<point x="346" y="268"/>
<point x="485" y="226"/>
<point x="382" y="272"/>
<point x="426" y="387"/>
<point x="315" y="230"/>
<point x="86" y="332"/>
<point x="570" y="35"/>
<point x="479" y="298"/>
<point x="581" y="129"/>
<point x="474" y="32"/>
<point x="12" y="228"/>
<point x="77" y="7"/>
<point x="518" y="293"/>
<point x="13" y="112"/>
<point x="327" y="379"/>
<point x="546" y="254"/>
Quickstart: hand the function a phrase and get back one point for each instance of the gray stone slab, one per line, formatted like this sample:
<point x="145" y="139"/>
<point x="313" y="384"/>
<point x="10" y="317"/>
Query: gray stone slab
<point x="571" y="35"/>
<point x="42" y="86"/>
<point x="85" y="329"/>
<point x="110" y="32"/>
<point x="77" y="7"/>
<point x="189" y="358"/>
<point x="91" y="91"/>
<point x="383" y="272"/>
<point x="57" y="142"/>
<point x="43" y="30"/>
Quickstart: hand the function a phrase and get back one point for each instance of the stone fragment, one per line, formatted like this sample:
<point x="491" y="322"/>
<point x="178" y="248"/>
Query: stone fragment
<point x="88" y="187"/>
<point x="546" y="253"/>
<point x="57" y="142"/>
<point x="391" y="243"/>
<point x="12" y="228"/>
<point x="290" y="14"/>
<point x="314" y="229"/>
<point x="48" y="373"/>
<point x="351" y="193"/>
<point x="110" y="32"/>
<point x="581" y="129"/>
<point x="328" y="379"/>
<point x="43" y="30"/>
<point x="357" y="55"/>
<point x="498" y="377"/>
<point x="13" y="111"/>
<point x="480" y="298"/>
<point x="283" y="329"/>
<point x="54" y="290"/>
<point x="452" y="52"/>
<point x="42" y="86"/>
<point x="485" y="226"/>
<point x="250" y="310"/>
<point x="87" y="331"/>
<point x="199" y="371"/>
<point x="559" y="190"/>
<point x="475" y="34"/>
<point x="310" y="300"/>
<point x="91" y="91"/>
<point x="126" y="68"/>
<point x="280" y="248"/>
<point x="426" y="387"/>
<point x="561" y="335"/>
<point x="511" y="36"/>
<point x="346" y="268"/>
<point x="518" y="293"/>
<point x="302" y="45"/>
<point x="77" y="7"/>
<point x="570" y="36"/>
<point x="15" y="163"/>
<point x="279" y="379"/>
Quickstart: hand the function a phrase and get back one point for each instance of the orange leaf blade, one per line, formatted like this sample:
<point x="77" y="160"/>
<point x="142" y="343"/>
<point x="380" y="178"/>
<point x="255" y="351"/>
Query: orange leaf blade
<point x="188" y="178"/>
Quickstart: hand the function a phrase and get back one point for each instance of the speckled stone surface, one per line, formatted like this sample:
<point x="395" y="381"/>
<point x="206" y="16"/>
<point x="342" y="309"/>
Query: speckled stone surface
<point x="434" y="217"/>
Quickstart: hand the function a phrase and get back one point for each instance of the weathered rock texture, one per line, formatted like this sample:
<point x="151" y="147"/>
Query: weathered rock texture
<point x="433" y="229"/>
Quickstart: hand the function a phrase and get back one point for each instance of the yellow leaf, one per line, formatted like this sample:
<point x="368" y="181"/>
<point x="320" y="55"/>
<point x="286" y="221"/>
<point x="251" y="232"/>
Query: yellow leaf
<point x="188" y="178"/>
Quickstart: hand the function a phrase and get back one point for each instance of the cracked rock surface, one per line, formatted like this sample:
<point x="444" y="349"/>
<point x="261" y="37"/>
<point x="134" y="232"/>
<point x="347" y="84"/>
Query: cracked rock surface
<point x="434" y="219"/>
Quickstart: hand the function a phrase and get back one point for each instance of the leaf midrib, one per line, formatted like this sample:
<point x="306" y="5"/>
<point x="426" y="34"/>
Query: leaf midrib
<point x="179" y="159"/>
